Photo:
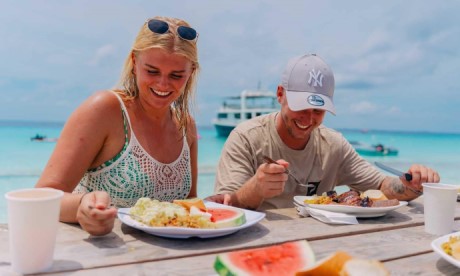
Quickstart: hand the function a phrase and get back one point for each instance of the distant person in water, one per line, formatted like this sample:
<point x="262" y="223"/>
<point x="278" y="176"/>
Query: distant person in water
<point x="38" y="137"/>
<point x="379" y="147"/>
<point x="319" y="157"/>
<point x="138" y="140"/>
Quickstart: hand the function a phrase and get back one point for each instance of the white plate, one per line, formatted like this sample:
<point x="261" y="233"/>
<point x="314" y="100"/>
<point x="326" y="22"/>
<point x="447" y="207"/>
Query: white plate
<point x="360" y="212"/>
<point x="436" y="245"/>
<point x="252" y="218"/>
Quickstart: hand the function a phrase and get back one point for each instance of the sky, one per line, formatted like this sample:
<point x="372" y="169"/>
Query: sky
<point x="395" y="63"/>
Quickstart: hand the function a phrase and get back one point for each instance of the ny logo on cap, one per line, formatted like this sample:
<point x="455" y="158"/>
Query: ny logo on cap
<point x="316" y="77"/>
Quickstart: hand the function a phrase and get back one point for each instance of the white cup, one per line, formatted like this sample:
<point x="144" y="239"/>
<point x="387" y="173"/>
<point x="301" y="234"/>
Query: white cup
<point x="33" y="219"/>
<point x="440" y="201"/>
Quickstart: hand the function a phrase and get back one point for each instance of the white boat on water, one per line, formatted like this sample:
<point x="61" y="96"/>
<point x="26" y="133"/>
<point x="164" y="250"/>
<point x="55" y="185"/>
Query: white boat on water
<point x="249" y="104"/>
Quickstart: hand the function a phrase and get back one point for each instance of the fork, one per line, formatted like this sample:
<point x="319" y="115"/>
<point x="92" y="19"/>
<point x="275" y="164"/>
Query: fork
<point x="271" y="161"/>
<point x="119" y="212"/>
<point x="131" y="215"/>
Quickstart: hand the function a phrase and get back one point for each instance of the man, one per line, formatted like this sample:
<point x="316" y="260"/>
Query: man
<point x="319" y="158"/>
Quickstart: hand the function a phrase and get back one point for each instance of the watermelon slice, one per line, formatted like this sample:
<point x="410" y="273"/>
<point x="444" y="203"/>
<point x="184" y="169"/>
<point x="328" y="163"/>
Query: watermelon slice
<point x="226" y="216"/>
<point x="282" y="259"/>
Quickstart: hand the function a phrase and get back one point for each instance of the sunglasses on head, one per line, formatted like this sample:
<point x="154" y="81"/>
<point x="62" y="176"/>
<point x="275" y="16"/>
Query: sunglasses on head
<point x="161" y="27"/>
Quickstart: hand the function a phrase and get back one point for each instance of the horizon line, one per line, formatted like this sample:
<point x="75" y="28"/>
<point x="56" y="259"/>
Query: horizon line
<point x="4" y="123"/>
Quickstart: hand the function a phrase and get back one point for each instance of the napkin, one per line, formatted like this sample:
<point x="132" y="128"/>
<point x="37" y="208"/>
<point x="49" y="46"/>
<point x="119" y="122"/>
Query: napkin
<point x="326" y="216"/>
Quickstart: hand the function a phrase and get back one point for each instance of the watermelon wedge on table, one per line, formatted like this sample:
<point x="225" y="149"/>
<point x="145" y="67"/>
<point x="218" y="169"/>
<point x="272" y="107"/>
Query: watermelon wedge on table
<point x="282" y="259"/>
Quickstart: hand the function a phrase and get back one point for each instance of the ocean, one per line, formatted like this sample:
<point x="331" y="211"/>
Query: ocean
<point x="23" y="160"/>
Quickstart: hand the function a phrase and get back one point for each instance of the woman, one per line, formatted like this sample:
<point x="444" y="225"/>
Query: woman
<point x="135" y="141"/>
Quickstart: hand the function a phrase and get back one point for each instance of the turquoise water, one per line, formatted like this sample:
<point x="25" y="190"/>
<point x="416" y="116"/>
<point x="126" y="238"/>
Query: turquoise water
<point x="22" y="160"/>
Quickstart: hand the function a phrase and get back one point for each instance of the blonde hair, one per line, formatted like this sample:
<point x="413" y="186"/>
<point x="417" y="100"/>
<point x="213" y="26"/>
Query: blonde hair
<point x="171" y="42"/>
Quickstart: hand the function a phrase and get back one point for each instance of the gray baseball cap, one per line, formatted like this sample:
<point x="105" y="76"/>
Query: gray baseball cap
<point x="309" y="83"/>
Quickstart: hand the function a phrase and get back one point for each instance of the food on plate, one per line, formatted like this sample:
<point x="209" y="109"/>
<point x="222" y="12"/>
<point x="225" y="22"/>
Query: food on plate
<point x="319" y="200"/>
<point x="226" y="216"/>
<point x="281" y="259"/>
<point x="369" y="198"/>
<point x="452" y="247"/>
<point x="341" y="263"/>
<point x="385" y="203"/>
<point x="189" y="202"/>
<point x="456" y="250"/>
<point x="375" y="195"/>
<point x="155" y="213"/>
<point x="353" y="198"/>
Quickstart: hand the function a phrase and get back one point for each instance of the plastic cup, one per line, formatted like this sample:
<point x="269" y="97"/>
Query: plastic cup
<point x="440" y="201"/>
<point x="33" y="219"/>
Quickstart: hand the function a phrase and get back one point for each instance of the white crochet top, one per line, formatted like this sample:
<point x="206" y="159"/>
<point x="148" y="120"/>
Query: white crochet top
<point x="133" y="173"/>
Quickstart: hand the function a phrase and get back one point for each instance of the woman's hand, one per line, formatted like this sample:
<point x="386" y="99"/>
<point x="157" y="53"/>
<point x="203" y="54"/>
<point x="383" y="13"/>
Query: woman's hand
<point x="95" y="214"/>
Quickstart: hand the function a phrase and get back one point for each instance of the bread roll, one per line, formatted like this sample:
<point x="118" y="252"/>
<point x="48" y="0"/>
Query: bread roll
<point x="374" y="195"/>
<point x="360" y="267"/>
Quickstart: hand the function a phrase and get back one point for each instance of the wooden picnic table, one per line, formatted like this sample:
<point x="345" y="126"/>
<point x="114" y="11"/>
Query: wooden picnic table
<point x="397" y="239"/>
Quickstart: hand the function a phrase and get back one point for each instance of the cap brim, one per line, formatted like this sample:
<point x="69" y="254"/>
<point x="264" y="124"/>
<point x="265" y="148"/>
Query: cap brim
<point x="305" y="100"/>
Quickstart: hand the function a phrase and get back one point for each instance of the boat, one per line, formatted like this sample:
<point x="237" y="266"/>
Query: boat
<point x="237" y="109"/>
<point x="373" y="150"/>
<point x="42" y="138"/>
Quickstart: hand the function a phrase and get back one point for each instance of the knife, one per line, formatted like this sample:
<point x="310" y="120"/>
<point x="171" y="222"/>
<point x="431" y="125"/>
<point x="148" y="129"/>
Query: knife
<point x="407" y="176"/>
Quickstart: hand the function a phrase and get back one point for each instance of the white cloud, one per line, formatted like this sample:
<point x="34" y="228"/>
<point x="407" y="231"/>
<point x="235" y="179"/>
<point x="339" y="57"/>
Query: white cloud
<point x="393" y="110"/>
<point x="363" y="107"/>
<point x="102" y="53"/>
<point x="383" y="49"/>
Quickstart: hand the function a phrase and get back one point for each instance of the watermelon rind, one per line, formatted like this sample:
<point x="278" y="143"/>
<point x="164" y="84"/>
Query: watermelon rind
<point x="224" y="266"/>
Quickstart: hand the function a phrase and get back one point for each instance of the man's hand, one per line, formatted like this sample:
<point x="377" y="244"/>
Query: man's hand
<point x="270" y="179"/>
<point x="402" y="189"/>
<point x="268" y="182"/>
<point x="220" y="198"/>
<point x="420" y="174"/>
<point x="95" y="214"/>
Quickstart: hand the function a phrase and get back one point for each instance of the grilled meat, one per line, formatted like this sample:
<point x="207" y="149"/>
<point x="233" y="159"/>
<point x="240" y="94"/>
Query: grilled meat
<point x="366" y="202"/>
<point x="350" y="198"/>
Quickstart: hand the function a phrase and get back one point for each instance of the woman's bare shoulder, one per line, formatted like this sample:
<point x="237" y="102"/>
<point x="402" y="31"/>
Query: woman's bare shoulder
<point x="103" y="99"/>
<point x="101" y="104"/>
<point x="97" y="111"/>
<point x="191" y="130"/>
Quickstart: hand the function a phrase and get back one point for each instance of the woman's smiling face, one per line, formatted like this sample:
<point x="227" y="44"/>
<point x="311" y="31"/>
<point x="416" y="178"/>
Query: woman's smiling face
<point x="161" y="76"/>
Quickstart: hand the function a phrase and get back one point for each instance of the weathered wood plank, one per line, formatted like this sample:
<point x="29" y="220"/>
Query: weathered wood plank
<point x="429" y="264"/>
<point x="404" y="252"/>
<point x="75" y="249"/>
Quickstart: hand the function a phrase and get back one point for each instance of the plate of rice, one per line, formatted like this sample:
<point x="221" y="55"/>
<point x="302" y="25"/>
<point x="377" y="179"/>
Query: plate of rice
<point x="168" y="220"/>
<point x="448" y="247"/>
